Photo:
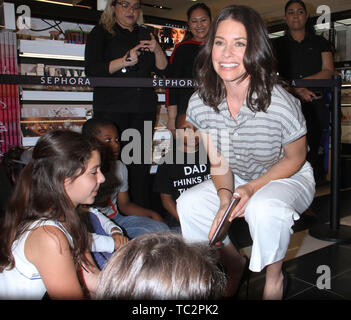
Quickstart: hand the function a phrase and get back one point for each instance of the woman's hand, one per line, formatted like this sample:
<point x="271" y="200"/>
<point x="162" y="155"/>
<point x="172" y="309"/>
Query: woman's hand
<point x="244" y="192"/>
<point x="153" y="46"/>
<point x="305" y="94"/>
<point x="131" y="58"/>
<point x="150" y="45"/>
<point x="119" y="240"/>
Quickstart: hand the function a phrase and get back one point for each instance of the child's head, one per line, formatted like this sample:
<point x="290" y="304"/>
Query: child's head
<point x="186" y="132"/>
<point x="161" y="266"/>
<point x="105" y="131"/>
<point x="62" y="173"/>
<point x="64" y="164"/>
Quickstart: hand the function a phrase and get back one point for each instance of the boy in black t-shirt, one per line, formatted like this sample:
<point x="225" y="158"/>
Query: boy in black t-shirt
<point x="185" y="165"/>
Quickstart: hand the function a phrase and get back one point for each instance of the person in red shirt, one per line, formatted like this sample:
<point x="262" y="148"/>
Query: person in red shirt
<point x="183" y="58"/>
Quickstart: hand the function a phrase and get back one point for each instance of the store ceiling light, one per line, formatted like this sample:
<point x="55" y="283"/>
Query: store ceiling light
<point x="156" y="6"/>
<point x="69" y="4"/>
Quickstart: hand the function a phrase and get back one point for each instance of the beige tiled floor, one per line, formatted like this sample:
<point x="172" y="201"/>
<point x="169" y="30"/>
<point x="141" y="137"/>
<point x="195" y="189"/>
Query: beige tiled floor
<point x="300" y="244"/>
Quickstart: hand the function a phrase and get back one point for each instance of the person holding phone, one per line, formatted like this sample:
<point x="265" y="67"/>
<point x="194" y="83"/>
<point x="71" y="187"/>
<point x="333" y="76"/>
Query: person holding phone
<point x="119" y="47"/>
<point x="302" y="54"/>
<point x="255" y="136"/>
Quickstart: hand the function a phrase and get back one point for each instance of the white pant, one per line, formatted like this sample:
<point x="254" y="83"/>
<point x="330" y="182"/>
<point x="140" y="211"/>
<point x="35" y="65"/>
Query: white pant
<point x="270" y="213"/>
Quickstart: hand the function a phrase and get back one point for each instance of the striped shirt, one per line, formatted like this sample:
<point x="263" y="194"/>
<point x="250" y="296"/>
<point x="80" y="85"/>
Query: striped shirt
<point x="253" y="143"/>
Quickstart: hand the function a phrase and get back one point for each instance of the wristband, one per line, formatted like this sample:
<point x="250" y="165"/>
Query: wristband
<point x="231" y="192"/>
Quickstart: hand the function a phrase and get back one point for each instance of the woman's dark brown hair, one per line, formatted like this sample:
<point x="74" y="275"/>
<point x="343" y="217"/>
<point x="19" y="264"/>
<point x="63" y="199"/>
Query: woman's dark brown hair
<point x="40" y="192"/>
<point x="259" y="61"/>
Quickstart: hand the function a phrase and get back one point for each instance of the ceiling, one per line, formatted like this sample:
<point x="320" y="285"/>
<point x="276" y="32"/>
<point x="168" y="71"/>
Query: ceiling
<point x="272" y="11"/>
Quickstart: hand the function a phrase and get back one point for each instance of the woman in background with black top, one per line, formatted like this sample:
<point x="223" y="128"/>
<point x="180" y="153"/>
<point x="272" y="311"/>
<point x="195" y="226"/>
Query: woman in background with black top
<point x="118" y="47"/>
<point x="302" y="54"/>
<point x="183" y="58"/>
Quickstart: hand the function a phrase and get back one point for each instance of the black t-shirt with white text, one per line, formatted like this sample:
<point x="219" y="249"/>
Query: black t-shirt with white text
<point x="175" y="178"/>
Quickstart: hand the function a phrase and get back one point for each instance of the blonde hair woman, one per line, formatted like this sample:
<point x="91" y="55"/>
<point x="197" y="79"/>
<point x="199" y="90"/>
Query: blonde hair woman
<point x="108" y="19"/>
<point x="119" y="47"/>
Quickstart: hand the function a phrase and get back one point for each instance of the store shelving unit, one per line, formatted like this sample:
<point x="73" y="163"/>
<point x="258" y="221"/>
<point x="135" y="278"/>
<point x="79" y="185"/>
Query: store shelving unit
<point x="48" y="107"/>
<point x="344" y="69"/>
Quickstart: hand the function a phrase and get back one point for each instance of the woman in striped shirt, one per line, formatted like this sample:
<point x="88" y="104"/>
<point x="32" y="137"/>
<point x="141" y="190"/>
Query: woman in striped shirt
<point x="255" y="135"/>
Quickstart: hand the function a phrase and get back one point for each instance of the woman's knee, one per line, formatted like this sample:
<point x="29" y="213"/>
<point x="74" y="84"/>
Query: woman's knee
<point x="262" y="210"/>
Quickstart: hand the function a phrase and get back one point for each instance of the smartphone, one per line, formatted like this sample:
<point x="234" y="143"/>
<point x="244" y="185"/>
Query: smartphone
<point x="144" y="33"/>
<point x="223" y="226"/>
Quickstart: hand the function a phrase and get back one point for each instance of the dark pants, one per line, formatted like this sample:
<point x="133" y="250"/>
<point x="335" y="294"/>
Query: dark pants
<point x="140" y="180"/>
<point x="316" y="115"/>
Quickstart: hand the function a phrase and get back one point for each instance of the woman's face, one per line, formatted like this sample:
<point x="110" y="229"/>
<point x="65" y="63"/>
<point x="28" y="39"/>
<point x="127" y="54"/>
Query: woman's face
<point x="83" y="189"/>
<point x="39" y="127"/>
<point x="177" y="35"/>
<point x="199" y="24"/>
<point x="108" y="135"/>
<point x="228" y="50"/>
<point x="296" y="17"/>
<point x="127" y="13"/>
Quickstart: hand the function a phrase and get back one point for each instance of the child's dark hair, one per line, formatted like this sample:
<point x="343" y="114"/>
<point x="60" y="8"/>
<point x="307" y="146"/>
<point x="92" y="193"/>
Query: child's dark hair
<point x="91" y="128"/>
